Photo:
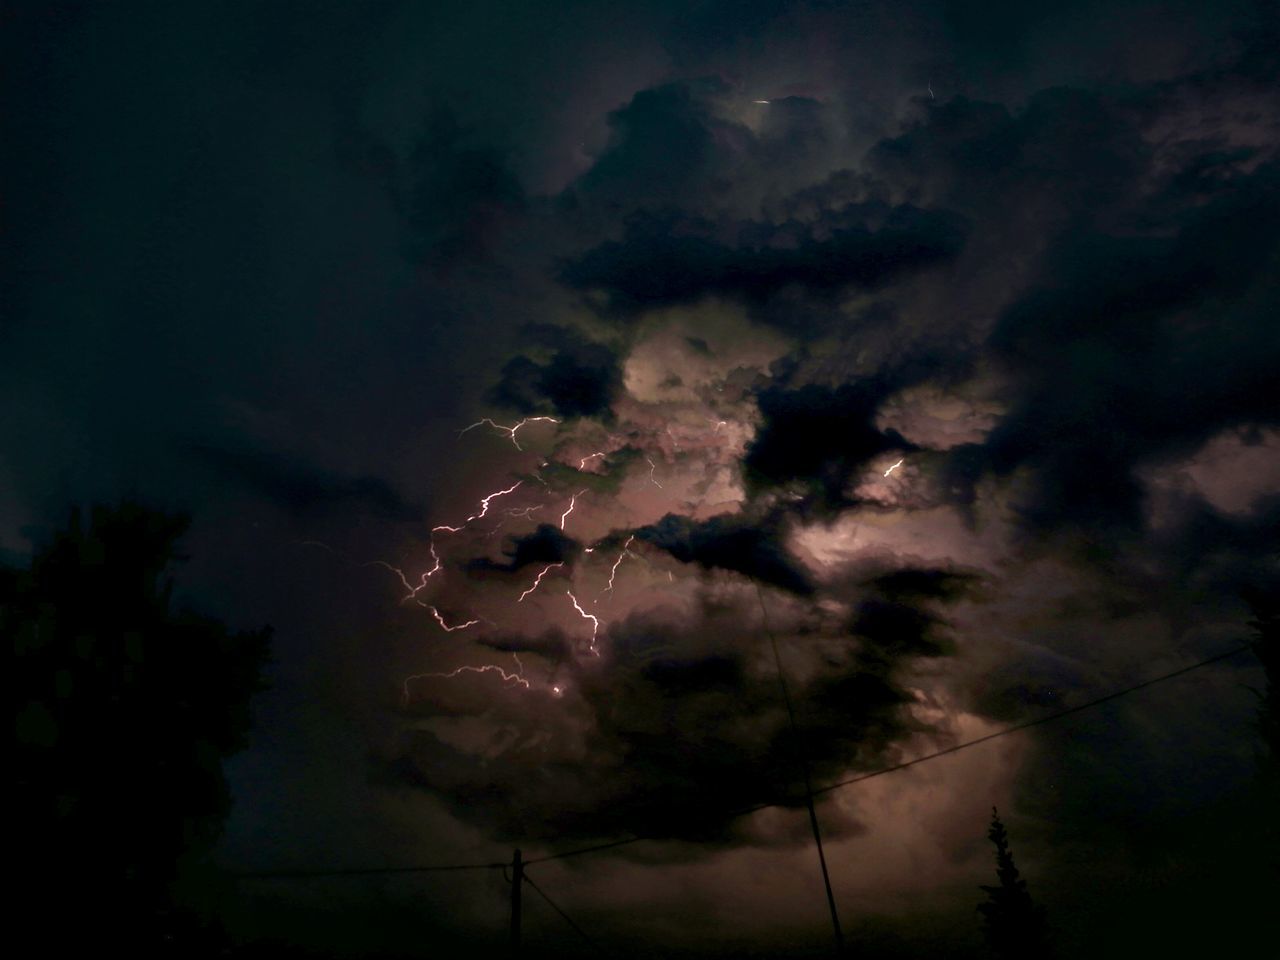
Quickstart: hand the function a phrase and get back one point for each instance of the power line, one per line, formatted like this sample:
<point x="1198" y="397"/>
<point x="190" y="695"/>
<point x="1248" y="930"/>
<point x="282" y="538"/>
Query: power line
<point x="362" y="871"/>
<point x="567" y="919"/>
<point x="1027" y="724"/>
<point x="755" y="808"/>
<point x="955" y="748"/>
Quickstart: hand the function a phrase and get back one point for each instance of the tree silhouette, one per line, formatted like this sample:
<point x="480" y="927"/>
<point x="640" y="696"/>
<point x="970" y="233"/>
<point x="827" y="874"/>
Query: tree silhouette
<point x="125" y="710"/>
<point x="1015" y="926"/>
<point x="1266" y="626"/>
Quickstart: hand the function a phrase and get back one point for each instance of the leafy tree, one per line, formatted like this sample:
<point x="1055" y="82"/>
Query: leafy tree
<point x="125" y="710"/>
<point x="1015" y="925"/>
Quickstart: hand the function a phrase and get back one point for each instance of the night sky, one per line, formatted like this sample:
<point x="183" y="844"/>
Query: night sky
<point x="938" y="340"/>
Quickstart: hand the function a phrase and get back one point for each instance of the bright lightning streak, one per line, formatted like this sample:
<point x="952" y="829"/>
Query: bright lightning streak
<point x="595" y="622"/>
<point x="572" y="500"/>
<point x="550" y="566"/>
<point x="652" y="469"/>
<point x="445" y="626"/>
<point x="515" y="679"/>
<point x="413" y="591"/>
<point x="510" y="431"/>
<point x="894" y="467"/>
<point x="484" y="509"/>
<point x="582" y="464"/>
<point x="759" y="101"/>
<point x="614" y="571"/>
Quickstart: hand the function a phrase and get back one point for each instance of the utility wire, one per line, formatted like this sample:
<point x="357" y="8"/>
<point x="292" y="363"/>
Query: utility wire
<point x="956" y="748"/>
<point x="567" y="919"/>
<point x="362" y="872"/>
<point x="1027" y="724"/>
<point x="755" y="808"/>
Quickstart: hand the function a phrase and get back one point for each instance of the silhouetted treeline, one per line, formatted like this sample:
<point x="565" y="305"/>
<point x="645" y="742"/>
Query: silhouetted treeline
<point x="125" y="709"/>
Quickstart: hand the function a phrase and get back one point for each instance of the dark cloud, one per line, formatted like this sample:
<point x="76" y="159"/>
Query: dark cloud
<point x="1068" y="154"/>
<point x="819" y="437"/>
<point x="668" y="260"/>
<point x="681" y="733"/>
<point x="552" y="645"/>
<point x="578" y="379"/>
<point x="910" y="583"/>
<point x="303" y="488"/>
<point x="900" y="620"/>
<point x="665" y="146"/>
<point x="751" y="547"/>
<point x="900" y="628"/>
<point x="547" y="544"/>
<point x="1131" y="348"/>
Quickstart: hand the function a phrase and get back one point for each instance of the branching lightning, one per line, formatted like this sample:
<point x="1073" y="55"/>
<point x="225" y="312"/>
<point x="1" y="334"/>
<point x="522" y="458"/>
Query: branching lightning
<point x="484" y="509"/>
<point x="538" y="580"/>
<point x="413" y="591"/>
<point x="595" y="622"/>
<point x="510" y="431"/>
<point x="514" y="679"/>
<point x="445" y="626"/>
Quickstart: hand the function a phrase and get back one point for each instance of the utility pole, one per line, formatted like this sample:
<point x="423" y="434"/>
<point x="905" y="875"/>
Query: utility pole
<point x="517" y="882"/>
<point x="808" y="783"/>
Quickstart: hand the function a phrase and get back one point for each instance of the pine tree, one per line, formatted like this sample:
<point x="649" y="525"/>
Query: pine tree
<point x="1015" y="925"/>
<point x="1266" y="627"/>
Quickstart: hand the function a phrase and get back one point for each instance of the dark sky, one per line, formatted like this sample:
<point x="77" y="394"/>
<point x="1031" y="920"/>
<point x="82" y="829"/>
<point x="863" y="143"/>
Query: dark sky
<point x="944" y="332"/>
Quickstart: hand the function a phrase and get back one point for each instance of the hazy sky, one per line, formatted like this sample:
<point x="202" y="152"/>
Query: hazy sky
<point x="940" y="337"/>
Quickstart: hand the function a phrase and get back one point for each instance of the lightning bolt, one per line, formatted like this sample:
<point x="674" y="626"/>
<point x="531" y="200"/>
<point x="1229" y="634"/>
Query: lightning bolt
<point x="652" y="468"/>
<point x="613" y="572"/>
<point x="572" y="500"/>
<point x="582" y="464"/>
<point x="484" y="509"/>
<point x="413" y="591"/>
<point x="445" y="626"/>
<point x="538" y="580"/>
<point x="595" y="622"/>
<point x="894" y="467"/>
<point x="523" y="511"/>
<point x="510" y="431"/>
<point x="514" y="679"/>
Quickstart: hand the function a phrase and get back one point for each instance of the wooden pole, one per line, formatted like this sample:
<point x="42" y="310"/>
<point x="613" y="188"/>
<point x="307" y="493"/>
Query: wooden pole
<point x="517" y="882"/>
